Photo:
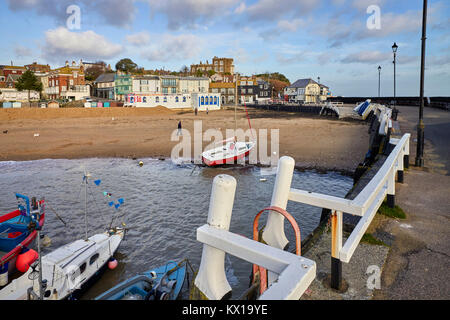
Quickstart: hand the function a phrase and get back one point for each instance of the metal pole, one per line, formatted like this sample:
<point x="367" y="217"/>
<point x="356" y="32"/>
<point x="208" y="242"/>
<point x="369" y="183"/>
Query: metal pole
<point x="379" y="81"/>
<point x="41" y="289"/>
<point x="420" y="125"/>
<point x="395" y="100"/>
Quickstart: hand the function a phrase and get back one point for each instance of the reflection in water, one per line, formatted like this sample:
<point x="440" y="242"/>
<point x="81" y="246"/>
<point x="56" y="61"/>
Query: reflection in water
<point x="164" y="205"/>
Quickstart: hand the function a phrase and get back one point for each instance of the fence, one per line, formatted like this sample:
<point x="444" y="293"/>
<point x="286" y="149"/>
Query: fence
<point x="365" y="205"/>
<point x="294" y="273"/>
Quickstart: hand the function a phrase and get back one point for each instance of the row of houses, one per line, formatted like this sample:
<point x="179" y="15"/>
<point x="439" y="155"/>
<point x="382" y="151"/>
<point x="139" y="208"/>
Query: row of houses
<point x="117" y="86"/>
<point x="68" y="82"/>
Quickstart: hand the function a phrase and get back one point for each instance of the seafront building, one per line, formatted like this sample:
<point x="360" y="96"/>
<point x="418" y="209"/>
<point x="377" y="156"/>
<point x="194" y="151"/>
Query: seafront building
<point x="305" y="91"/>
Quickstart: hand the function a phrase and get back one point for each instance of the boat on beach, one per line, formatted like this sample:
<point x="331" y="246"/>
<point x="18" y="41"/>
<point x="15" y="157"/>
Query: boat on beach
<point x="162" y="283"/>
<point x="18" y="230"/>
<point x="227" y="153"/>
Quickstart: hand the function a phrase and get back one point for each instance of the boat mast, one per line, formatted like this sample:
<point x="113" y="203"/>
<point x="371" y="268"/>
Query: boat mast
<point x="85" y="204"/>
<point x="41" y="288"/>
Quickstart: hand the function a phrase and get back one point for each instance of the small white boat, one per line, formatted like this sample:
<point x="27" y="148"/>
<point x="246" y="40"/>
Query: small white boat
<point x="227" y="153"/>
<point x="67" y="269"/>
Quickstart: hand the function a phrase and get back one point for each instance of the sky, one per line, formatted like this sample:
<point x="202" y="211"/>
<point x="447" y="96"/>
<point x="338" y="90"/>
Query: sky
<point x="341" y="41"/>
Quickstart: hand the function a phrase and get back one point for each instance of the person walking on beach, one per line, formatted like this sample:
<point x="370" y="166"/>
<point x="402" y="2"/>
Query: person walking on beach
<point x="207" y="110"/>
<point x="180" y="132"/>
<point x="196" y="110"/>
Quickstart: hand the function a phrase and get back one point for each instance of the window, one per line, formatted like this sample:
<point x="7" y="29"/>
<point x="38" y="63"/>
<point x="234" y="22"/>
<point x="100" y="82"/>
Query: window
<point x="184" y="99"/>
<point x="165" y="99"/>
<point x="157" y="99"/>
<point x="144" y="81"/>
<point x="165" y="90"/>
<point x="174" y="90"/>
<point x="93" y="258"/>
<point x="176" y="99"/>
<point x="250" y="90"/>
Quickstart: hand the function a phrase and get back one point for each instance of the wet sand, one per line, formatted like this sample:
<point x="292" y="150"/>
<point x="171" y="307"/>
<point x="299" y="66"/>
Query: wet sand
<point x="74" y="133"/>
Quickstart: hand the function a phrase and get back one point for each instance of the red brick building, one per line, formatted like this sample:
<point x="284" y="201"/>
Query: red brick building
<point x="66" y="80"/>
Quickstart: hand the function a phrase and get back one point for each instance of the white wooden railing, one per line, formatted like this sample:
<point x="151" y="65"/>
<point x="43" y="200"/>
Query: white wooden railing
<point x="290" y="275"/>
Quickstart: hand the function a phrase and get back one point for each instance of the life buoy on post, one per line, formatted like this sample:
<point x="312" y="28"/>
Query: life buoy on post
<point x="258" y="270"/>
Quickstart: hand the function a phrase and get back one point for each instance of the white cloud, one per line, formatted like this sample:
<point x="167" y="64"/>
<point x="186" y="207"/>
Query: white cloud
<point x="274" y="9"/>
<point x="113" y="12"/>
<point x="62" y="43"/>
<point x="290" y="25"/>
<point x="169" y="47"/>
<point x="21" y="51"/>
<point x="367" y="57"/>
<point x="187" y="12"/>
<point x="139" y="39"/>
<point x="240" y="9"/>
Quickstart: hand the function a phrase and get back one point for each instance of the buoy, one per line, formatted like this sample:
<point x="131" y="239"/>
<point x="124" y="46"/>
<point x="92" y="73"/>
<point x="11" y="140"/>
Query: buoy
<point x="4" y="274"/>
<point x="25" y="259"/>
<point x="141" y="163"/>
<point x="46" y="241"/>
<point x="112" y="264"/>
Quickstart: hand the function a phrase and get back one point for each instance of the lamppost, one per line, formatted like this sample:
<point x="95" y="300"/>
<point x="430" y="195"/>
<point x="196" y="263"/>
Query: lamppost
<point x="420" y="125"/>
<point x="318" y="80"/>
<point x="394" y="111"/>
<point x="379" y="80"/>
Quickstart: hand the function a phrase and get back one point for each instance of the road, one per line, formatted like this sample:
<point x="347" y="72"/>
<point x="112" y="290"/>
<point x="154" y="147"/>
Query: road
<point x="437" y="135"/>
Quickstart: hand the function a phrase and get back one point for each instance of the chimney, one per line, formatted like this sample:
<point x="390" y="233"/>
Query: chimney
<point x="73" y="64"/>
<point x="67" y="63"/>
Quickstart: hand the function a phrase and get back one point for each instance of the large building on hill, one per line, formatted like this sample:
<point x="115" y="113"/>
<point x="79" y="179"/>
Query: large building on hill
<point x="218" y="65"/>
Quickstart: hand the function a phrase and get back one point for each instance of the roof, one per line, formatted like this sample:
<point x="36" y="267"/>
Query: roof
<point x="106" y="77"/>
<point x="14" y="77"/>
<point x="149" y="77"/>
<point x="194" y="78"/>
<point x="302" y="83"/>
<point x="222" y="85"/>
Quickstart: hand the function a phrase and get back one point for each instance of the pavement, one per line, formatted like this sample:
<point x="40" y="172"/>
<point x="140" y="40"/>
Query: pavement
<point x="419" y="260"/>
<point x="414" y="261"/>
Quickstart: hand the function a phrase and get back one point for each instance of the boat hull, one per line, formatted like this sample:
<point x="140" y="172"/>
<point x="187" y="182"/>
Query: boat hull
<point x="27" y="241"/>
<point x="140" y="287"/>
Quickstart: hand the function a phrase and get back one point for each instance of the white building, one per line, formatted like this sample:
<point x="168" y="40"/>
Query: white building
<point x="193" y="85"/>
<point x="146" y="85"/>
<point x="204" y="101"/>
<point x="12" y="94"/>
<point x="171" y="101"/>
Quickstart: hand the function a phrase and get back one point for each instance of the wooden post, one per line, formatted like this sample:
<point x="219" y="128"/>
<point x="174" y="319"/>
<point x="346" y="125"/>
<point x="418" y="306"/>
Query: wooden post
<point x="336" y="245"/>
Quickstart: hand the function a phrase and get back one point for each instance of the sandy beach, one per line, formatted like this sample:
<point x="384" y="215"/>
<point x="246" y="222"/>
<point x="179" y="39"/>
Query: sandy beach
<point x="140" y="132"/>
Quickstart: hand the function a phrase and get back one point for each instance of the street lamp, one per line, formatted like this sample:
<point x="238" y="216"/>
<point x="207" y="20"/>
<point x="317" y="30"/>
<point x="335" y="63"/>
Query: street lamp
<point x="379" y="80"/>
<point x="420" y="125"/>
<point x="394" y="50"/>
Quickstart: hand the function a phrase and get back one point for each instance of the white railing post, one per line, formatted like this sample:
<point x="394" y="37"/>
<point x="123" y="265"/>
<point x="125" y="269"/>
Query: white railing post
<point x="391" y="188"/>
<point x="273" y="233"/>
<point x="211" y="278"/>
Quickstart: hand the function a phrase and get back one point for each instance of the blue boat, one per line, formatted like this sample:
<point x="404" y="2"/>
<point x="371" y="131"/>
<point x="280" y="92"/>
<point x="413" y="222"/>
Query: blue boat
<point x="162" y="283"/>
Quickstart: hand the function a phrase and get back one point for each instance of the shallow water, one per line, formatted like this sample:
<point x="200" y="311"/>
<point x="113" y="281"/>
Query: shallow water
<point x="164" y="205"/>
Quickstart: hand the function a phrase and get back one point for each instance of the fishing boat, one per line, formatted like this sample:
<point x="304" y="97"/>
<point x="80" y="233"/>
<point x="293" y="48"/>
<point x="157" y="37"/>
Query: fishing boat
<point x="229" y="151"/>
<point x="162" y="283"/>
<point x="66" y="271"/>
<point x="18" y="230"/>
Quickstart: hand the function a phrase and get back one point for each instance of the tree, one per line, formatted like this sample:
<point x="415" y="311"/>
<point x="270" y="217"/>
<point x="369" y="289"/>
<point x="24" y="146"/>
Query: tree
<point x="93" y="72"/>
<point x="126" y="65"/>
<point x="184" y="70"/>
<point x="28" y="81"/>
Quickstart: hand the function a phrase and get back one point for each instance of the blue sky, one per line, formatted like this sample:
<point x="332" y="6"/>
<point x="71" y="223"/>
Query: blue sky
<point x="331" y="39"/>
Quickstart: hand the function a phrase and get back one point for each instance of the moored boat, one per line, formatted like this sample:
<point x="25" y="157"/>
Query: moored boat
<point x="162" y="283"/>
<point x="18" y="230"/>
